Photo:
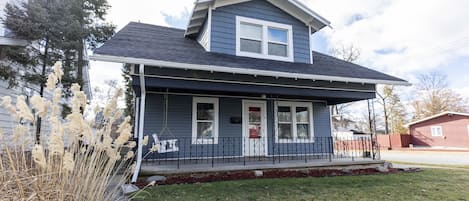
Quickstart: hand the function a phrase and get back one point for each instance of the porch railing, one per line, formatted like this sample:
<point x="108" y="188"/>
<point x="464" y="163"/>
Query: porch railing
<point x="246" y="151"/>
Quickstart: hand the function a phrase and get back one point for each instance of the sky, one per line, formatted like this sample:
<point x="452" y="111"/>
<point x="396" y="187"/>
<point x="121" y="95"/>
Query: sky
<point x="399" y="37"/>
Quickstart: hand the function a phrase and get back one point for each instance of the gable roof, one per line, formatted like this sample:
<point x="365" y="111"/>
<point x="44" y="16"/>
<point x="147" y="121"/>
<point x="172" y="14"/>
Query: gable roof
<point x="293" y="7"/>
<point x="153" y="45"/>
<point x="436" y="116"/>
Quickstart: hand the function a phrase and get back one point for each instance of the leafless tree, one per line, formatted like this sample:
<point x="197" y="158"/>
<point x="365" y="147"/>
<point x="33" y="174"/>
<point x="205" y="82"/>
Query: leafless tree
<point x="433" y="96"/>
<point x="347" y="53"/>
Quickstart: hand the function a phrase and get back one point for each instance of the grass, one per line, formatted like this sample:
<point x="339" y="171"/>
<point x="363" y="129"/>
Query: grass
<point x="431" y="184"/>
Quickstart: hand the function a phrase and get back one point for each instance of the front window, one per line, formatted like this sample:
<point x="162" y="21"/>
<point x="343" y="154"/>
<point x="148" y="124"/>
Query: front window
<point x="294" y="122"/>
<point x="437" y="131"/>
<point x="205" y="121"/>
<point x="263" y="39"/>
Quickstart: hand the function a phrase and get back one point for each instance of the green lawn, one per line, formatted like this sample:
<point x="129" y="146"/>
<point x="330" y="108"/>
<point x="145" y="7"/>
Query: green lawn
<point x="431" y="184"/>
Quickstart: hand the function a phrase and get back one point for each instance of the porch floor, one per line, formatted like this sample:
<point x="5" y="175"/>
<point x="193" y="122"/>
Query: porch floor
<point x="152" y="168"/>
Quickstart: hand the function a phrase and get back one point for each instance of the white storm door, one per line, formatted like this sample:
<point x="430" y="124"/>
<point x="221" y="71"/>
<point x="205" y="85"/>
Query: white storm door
<point x="254" y="128"/>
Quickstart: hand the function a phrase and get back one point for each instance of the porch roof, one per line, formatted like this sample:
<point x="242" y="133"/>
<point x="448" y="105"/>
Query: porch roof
<point x="153" y="45"/>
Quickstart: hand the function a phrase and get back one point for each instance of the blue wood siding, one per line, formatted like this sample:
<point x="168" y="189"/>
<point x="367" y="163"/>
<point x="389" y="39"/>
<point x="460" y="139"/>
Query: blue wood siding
<point x="224" y="27"/>
<point x="230" y="134"/>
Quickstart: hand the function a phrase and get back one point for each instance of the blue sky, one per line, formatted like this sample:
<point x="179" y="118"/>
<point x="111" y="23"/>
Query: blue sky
<point x="399" y="37"/>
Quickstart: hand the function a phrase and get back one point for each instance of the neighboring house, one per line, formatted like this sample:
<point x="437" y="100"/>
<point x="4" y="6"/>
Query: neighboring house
<point x="241" y="81"/>
<point x="7" y="38"/>
<point x="447" y="129"/>
<point x="346" y="129"/>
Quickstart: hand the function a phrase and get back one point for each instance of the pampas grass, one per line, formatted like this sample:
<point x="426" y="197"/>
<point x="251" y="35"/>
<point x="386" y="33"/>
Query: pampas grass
<point x="74" y="162"/>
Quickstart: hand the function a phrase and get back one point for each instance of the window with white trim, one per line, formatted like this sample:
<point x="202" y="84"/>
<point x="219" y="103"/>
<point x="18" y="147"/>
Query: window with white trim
<point x="437" y="131"/>
<point x="204" y="120"/>
<point x="294" y="122"/>
<point x="264" y="39"/>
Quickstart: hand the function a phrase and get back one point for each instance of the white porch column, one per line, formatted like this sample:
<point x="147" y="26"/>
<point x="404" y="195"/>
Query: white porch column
<point x="140" y="122"/>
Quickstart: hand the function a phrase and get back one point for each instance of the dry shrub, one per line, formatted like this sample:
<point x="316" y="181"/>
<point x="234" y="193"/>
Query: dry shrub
<point x="74" y="162"/>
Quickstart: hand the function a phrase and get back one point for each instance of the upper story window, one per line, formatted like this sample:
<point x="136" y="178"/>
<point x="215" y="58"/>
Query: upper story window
<point x="263" y="39"/>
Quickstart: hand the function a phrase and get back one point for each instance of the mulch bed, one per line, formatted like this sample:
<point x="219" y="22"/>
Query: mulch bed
<point x="190" y="178"/>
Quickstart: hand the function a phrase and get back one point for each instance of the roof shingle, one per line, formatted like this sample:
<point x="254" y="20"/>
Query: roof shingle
<point x="144" y="41"/>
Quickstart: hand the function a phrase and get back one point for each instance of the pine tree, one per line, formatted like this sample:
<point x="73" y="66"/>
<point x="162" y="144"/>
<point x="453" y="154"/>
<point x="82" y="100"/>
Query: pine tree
<point x="129" y="92"/>
<point x="40" y="23"/>
<point x="88" y="29"/>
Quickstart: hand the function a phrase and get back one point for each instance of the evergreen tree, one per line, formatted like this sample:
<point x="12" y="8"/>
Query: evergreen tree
<point x="129" y="92"/>
<point x="40" y="23"/>
<point x="88" y="29"/>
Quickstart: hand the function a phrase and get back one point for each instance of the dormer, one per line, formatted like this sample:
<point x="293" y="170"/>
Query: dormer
<point x="265" y="29"/>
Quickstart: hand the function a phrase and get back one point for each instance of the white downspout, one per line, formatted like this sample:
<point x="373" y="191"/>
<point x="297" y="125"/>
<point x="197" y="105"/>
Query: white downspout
<point x="140" y="122"/>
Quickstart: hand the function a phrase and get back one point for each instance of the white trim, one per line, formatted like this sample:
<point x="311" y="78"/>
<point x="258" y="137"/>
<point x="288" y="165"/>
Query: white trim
<point x="221" y="3"/>
<point x="140" y="123"/>
<point x="245" y="120"/>
<point x="224" y="69"/>
<point x="310" y="45"/>
<point x="258" y="83"/>
<point x="434" y="128"/>
<point x="310" y="12"/>
<point x="209" y="29"/>
<point x="436" y="115"/>
<point x="293" y="106"/>
<point x="215" y="102"/>
<point x="265" y="39"/>
<point x="13" y="41"/>
<point x="137" y="105"/>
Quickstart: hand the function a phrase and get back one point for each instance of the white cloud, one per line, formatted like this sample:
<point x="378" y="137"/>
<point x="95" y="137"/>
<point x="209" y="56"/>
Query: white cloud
<point x="124" y="11"/>
<point x="423" y="35"/>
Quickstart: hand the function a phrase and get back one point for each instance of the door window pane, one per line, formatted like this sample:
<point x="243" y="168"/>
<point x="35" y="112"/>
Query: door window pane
<point x="204" y="130"/>
<point x="302" y="131"/>
<point x="205" y="111"/>
<point x="284" y="114"/>
<point x="285" y="131"/>
<point x="251" y="31"/>
<point x="302" y="115"/>
<point x="254" y="114"/>
<point x="277" y="35"/>
<point x="248" y="45"/>
<point x="255" y="131"/>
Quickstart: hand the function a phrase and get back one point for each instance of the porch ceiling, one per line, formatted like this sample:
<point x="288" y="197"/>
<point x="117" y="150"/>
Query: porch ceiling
<point x="331" y="96"/>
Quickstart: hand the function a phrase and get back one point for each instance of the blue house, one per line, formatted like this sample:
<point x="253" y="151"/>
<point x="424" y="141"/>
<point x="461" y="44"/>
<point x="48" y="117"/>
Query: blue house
<point x="242" y="83"/>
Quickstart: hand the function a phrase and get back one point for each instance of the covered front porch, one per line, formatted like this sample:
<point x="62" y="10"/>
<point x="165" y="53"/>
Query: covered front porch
<point x="226" y="156"/>
<point x="220" y="121"/>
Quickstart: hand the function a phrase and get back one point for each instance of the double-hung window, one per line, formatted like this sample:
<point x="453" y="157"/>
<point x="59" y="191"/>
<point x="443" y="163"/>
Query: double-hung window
<point x="204" y="120"/>
<point x="264" y="39"/>
<point x="294" y="122"/>
<point x="437" y="131"/>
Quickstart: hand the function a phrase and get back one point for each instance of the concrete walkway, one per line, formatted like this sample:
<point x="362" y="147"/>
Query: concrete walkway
<point x="431" y="157"/>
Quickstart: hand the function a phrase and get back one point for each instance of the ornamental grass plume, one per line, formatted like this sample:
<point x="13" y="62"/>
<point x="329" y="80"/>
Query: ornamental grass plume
<point x="73" y="161"/>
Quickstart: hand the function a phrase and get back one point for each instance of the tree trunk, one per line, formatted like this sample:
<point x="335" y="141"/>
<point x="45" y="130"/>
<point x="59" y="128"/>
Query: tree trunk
<point x="41" y="90"/>
<point x="370" y="120"/>
<point x="386" y="124"/>
<point x="81" y="63"/>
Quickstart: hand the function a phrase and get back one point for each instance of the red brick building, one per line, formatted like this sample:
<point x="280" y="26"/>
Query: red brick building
<point x="448" y="129"/>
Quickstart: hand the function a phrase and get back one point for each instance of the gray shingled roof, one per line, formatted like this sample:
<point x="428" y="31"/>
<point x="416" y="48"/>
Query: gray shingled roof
<point x="144" y="41"/>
